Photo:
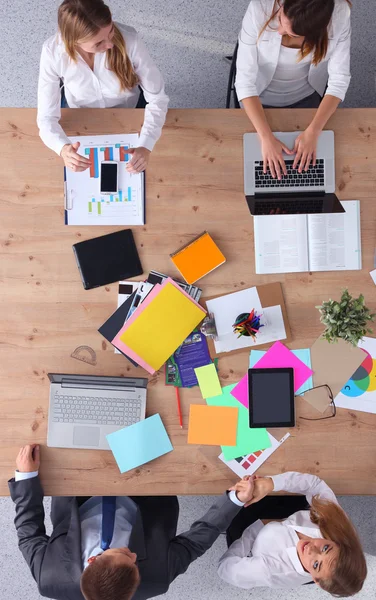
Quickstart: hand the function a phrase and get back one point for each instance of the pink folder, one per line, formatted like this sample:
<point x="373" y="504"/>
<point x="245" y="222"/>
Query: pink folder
<point x="278" y="356"/>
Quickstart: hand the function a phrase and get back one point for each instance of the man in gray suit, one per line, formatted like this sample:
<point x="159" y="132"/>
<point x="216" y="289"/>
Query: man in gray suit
<point x="110" y="548"/>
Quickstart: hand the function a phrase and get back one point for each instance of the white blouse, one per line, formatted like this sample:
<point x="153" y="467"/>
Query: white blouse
<point x="290" y="80"/>
<point x="266" y="555"/>
<point x="97" y="88"/>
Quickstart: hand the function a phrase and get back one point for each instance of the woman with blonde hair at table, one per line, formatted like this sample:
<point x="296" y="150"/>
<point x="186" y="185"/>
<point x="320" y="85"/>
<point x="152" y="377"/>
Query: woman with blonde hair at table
<point x="101" y="64"/>
<point x="289" y="541"/>
<point x="293" y="54"/>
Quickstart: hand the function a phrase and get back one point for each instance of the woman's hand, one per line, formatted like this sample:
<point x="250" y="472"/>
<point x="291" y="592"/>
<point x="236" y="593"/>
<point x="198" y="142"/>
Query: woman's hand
<point x="272" y="150"/>
<point x="139" y="160"/>
<point x="244" y="490"/>
<point x="305" y="148"/>
<point x="73" y="160"/>
<point x="28" y="459"/>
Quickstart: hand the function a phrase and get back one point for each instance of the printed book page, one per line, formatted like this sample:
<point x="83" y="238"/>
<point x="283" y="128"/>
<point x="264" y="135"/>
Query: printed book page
<point x="281" y="244"/>
<point x="334" y="240"/>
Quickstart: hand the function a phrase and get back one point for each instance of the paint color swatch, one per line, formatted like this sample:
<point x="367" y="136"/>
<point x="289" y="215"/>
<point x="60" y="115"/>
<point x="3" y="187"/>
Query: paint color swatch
<point x="198" y="258"/>
<point x="139" y="443"/>
<point x="208" y="381"/>
<point x="212" y="425"/>
<point x="248" y="440"/>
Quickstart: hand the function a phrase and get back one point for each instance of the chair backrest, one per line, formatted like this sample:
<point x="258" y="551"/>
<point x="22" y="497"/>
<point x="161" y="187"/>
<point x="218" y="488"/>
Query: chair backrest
<point x="231" y="91"/>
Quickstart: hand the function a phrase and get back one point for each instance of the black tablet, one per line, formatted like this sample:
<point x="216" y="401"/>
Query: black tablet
<point x="271" y="397"/>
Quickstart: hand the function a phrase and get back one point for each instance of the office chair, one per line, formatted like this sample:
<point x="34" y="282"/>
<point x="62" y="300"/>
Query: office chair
<point x="231" y="91"/>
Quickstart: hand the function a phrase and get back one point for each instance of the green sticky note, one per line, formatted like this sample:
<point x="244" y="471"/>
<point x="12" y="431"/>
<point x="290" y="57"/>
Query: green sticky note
<point x="248" y="440"/>
<point x="208" y="381"/>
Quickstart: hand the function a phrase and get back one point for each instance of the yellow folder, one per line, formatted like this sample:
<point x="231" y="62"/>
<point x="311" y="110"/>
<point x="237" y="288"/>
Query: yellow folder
<point x="161" y="326"/>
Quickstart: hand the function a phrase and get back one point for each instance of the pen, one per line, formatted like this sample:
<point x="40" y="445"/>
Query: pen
<point x="179" y="407"/>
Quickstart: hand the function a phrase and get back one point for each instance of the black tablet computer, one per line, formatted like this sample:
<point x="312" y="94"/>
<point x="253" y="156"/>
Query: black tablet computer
<point x="271" y="397"/>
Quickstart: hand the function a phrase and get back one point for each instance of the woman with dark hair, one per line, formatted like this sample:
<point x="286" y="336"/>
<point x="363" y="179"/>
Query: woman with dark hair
<point x="102" y="64"/>
<point x="288" y="541"/>
<point x="293" y="54"/>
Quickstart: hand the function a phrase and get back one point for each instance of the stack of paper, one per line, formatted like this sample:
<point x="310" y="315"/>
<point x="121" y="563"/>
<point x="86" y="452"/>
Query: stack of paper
<point x="159" y="326"/>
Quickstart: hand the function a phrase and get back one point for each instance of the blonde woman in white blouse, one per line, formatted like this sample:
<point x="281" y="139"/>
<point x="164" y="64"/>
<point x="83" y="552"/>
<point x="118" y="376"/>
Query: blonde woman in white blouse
<point x="293" y="54"/>
<point x="102" y="64"/>
<point x="283" y="542"/>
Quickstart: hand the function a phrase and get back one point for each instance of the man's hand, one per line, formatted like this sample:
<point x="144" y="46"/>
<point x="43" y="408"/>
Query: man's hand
<point x="262" y="487"/>
<point x="244" y="490"/>
<point x="28" y="459"/>
<point x="139" y="160"/>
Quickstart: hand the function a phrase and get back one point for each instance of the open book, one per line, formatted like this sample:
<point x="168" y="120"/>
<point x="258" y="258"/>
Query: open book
<point x="296" y="243"/>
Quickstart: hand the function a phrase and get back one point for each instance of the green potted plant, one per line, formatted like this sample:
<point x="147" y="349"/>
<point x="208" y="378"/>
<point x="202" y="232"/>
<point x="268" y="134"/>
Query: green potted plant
<point x="347" y="319"/>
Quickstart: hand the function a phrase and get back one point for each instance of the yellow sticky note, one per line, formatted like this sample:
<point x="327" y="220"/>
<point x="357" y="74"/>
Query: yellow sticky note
<point x="162" y="326"/>
<point x="208" y="381"/>
<point x="213" y="425"/>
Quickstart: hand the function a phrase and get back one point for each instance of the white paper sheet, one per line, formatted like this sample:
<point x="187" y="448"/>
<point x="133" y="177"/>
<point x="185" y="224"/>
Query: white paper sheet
<point x="359" y="393"/>
<point x="84" y="204"/>
<point x="248" y="464"/>
<point x="225" y="310"/>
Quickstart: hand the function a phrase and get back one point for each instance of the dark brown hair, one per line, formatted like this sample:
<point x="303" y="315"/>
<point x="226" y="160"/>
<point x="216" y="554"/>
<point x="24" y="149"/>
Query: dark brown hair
<point x="350" y="569"/>
<point x="104" y="580"/>
<point x="309" y="19"/>
<point x="82" y="20"/>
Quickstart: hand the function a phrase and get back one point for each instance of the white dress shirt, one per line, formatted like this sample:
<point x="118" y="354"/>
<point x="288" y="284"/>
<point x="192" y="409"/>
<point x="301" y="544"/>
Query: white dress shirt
<point x="258" y="54"/>
<point x="290" y="80"/>
<point x="266" y="555"/>
<point x="97" y="88"/>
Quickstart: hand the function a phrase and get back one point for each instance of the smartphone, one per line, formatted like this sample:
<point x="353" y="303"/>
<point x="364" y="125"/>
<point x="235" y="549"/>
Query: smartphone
<point x="109" y="177"/>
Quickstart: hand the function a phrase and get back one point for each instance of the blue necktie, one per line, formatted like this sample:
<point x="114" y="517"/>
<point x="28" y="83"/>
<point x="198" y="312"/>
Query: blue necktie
<point x="108" y="520"/>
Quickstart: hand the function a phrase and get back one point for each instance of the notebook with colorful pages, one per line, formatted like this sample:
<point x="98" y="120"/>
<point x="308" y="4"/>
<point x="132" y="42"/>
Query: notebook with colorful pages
<point x="159" y="325"/>
<point x="198" y="258"/>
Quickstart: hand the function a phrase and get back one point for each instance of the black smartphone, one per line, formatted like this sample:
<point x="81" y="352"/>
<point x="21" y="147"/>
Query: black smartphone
<point x="109" y="177"/>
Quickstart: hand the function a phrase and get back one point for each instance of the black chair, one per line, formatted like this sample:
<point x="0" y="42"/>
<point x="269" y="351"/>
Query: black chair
<point x="231" y="91"/>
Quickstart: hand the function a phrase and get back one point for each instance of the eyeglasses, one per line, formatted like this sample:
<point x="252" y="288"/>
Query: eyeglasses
<point x="331" y="405"/>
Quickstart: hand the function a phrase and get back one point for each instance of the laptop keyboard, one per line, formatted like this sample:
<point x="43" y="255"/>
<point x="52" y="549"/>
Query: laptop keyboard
<point x="96" y="411"/>
<point x="289" y="207"/>
<point x="314" y="177"/>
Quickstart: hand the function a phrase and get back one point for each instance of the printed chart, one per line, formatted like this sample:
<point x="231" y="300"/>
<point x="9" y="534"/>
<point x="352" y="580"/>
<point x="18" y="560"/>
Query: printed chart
<point x="85" y="205"/>
<point x="359" y="393"/>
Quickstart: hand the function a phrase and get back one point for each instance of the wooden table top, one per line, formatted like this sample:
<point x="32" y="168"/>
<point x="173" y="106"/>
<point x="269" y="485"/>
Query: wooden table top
<point x="194" y="182"/>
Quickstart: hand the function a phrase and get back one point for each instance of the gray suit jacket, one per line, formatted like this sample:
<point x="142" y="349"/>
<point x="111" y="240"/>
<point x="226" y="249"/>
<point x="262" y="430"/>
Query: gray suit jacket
<point x="55" y="561"/>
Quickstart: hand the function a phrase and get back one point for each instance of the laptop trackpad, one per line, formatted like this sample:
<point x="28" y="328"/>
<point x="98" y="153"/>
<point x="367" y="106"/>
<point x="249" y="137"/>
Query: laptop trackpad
<point x="84" y="435"/>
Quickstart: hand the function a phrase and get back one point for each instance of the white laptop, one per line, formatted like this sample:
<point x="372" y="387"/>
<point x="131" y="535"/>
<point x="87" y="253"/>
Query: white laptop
<point x="311" y="191"/>
<point x="85" y="408"/>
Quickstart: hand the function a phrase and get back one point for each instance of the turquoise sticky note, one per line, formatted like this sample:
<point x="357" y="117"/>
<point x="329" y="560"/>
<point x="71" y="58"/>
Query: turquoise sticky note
<point x="139" y="443"/>
<point x="304" y="354"/>
<point x="248" y="440"/>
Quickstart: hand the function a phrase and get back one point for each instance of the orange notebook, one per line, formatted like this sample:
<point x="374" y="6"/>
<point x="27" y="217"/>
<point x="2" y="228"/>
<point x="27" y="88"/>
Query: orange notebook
<point x="198" y="258"/>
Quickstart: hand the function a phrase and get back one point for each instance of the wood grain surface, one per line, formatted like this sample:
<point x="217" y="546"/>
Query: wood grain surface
<point x="194" y="182"/>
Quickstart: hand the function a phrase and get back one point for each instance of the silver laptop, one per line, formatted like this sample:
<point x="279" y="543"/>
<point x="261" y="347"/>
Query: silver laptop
<point x="311" y="191"/>
<point x="84" y="409"/>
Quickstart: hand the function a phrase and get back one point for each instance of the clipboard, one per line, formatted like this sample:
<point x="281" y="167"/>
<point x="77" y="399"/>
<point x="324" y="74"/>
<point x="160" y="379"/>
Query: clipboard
<point x="270" y="294"/>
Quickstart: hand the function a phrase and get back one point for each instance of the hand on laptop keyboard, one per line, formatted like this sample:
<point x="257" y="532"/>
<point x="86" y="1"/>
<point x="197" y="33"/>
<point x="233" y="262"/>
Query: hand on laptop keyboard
<point x="305" y="148"/>
<point x="272" y="154"/>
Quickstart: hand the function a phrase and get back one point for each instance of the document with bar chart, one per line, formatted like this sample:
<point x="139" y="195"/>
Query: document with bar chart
<point x="84" y="203"/>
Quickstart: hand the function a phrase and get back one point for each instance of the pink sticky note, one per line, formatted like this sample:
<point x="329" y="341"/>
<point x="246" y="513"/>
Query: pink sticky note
<point x="278" y="356"/>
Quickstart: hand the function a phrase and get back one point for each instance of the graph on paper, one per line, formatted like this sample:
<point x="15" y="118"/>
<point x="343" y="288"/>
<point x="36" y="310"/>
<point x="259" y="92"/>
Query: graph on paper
<point x="84" y="203"/>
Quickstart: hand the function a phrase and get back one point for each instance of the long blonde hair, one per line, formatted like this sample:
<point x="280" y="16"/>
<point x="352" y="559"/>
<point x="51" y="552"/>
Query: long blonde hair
<point x="309" y="18"/>
<point x="350" y="569"/>
<point x="82" y="20"/>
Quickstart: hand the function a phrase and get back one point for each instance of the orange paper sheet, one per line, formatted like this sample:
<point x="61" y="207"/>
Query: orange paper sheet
<point x="212" y="425"/>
